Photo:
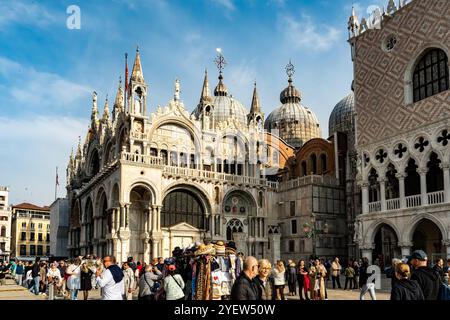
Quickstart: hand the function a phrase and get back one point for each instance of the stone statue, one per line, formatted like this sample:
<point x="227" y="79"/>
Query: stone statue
<point x="177" y="90"/>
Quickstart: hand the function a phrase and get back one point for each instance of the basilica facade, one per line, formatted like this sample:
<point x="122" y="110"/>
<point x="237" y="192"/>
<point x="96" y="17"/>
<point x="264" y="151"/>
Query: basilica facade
<point x="146" y="181"/>
<point x="402" y="118"/>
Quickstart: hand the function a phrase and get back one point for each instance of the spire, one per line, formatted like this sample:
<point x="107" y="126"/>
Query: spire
<point x="136" y="74"/>
<point x="118" y="103"/>
<point x="221" y="89"/>
<point x="205" y="89"/>
<point x="291" y="93"/>
<point x="353" y="24"/>
<point x="71" y="159"/>
<point x="176" y="95"/>
<point x="78" y="156"/>
<point x="94" y="113"/>
<point x="106" y="111"/>
<point x="255" y="101"/>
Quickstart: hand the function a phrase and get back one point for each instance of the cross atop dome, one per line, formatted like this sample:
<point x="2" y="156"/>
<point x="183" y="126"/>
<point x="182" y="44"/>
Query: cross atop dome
<point x="290" y="70"/>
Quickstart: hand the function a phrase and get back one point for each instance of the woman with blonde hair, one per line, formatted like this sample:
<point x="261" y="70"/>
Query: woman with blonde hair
<point x="85" y="280"/>
<point x="264" y="280"/>
<point x="404" y="288"/>
<point x="279" y="280"/>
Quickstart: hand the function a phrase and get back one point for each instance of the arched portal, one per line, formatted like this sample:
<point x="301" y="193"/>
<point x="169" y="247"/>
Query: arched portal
<point x="140" y="198"/>
<point x="183" y="205"/>
<point x="386" y="246"/>
<point x="239" y="202"/>
<point x="428" y="237"/>
<point x="89" y="226"/>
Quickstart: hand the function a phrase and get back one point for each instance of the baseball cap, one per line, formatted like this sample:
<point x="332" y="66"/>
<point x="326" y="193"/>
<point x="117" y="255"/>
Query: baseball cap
<point x="419" y="255"/>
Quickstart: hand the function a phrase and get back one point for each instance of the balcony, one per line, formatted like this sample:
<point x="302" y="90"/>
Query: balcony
<point x="174" y="171"/>
<point x="410" y="202"/>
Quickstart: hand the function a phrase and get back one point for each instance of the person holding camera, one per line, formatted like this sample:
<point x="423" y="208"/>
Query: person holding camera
<point x="54" y="280"/>
<point x="149" y="282"/>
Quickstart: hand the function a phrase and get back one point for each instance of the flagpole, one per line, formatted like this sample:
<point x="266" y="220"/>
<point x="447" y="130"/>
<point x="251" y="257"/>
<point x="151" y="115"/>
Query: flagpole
<point x="56" y="183"/>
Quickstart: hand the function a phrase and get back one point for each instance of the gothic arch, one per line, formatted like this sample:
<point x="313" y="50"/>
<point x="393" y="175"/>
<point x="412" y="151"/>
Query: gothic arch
<point x="114" y="196"/>
<point x="369" y="237"/>
<point x="195" y="189"/>
<point x="412" y="224"/>
<point x="409" y="71"/>
<point x="146" y="184"/>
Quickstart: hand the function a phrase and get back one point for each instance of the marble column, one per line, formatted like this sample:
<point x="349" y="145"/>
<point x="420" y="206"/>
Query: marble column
<point x="423" y="185"/>
<point x="446" y="171"/>
<point x="154" y="218"/>
<point x="401" y="189"/>
<point x="365" y="197"/>
<point x="382" y="182"/>
<point x="405" y="248"/>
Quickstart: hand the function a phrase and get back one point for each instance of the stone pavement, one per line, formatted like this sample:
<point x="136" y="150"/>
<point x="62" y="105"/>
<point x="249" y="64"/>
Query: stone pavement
<point x="11" y="291"/>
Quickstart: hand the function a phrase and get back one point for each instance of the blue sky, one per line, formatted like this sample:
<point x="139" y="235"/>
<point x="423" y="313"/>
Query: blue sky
<point x="47" y="71"/>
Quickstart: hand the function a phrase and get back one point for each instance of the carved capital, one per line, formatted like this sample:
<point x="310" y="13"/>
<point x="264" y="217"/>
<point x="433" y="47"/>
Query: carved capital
<point x="406" y="244"/>
<point x="400" y="176"/>
<point x="422" y="171"/>
<point x="446" y="243"/>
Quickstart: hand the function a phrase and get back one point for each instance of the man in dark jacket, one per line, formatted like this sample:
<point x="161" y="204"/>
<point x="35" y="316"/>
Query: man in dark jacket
<point x="245" y="287"/>
<point x="439" y="268"/>
<point x="35" y="272"/>
<point x="428" y="279"/>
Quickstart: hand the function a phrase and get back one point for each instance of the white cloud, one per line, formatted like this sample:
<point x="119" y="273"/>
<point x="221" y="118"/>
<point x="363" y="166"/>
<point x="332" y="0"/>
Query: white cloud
<point x="26" y="13"/>
<point x="227" y="4"/>
<point x="31" y="150"/>
<point x="305" y="33"/>
<point x="37" y="89"/>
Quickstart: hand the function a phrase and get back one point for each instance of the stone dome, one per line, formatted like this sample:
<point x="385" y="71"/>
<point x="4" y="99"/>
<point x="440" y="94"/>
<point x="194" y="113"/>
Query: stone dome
<point x="226" y="107"/>
<point x="342" y="118"/>
<point x="296" y="123"/>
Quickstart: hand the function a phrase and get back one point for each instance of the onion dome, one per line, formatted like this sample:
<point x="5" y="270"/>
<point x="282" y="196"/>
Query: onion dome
<point x="296" y="124"/>
<point x="342" y="118"/>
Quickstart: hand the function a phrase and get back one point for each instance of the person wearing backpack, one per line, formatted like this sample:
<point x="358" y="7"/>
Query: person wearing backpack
<point x="149" y="282"/>
<point x="428" y="279"/>
<point x="173" y="284"/>
<point x="404" y="288"/>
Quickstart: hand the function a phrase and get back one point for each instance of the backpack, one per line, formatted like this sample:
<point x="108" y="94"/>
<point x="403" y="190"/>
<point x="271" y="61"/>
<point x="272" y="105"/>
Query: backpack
<point x="444" y="292"/>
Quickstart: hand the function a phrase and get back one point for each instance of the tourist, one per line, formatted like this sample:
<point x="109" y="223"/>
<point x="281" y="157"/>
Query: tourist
<point x="54" y="281"/>
<point x="302" y="279"/>
<point x="35" y="275"/>
<point x="292" y="278"/>
<point x="131" y="263"/>
<point x="312" y="282"/>
<point x="148" y="283"/>
<point x="129" y="281"/>
<point x="404" y="288"/>
<point x="19" y="273"/>
<point x="244" y="288"/>
<point x="394" y="264"/>
<point x="173" y="283"/>
<point x="73" y="273"/>
<point x="264" y="281"/>
<point x="139" y="269"/>
<point x="363" y="278"/>
<point x="279" y="280"/>
<point x="160" y="264"/>
<point x="439" y="269"/>
<point x="428" y="279"/>
<point x="322" y="274"/>
<point x="4" y="270"/>
<point x="85" y="280"/>
<point x="447" y="268"/>
<point x="356" y="277"/>
<point x="349" y="276"/>
<point x="336" y="273"/>
<point x="43" y="278"/>
<point x="110" y="279"/>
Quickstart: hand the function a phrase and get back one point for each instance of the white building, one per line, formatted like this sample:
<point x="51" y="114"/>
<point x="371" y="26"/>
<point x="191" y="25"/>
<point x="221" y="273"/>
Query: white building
<point x="5" y="224"/>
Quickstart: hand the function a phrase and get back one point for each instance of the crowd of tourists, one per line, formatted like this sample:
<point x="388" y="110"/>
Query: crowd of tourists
<point x="217" y="272"/>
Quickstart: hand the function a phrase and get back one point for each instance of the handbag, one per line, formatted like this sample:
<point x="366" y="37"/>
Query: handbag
<point x="160" y="294"/>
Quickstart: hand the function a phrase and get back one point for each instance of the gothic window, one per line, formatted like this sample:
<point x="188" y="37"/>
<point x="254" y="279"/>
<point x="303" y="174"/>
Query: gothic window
<point x="323" y="163"/>
<point x="234" y="225"/>
<point x="412" y="179"/>
<point x="304" y="172"/>
<point x="313" y="160"/>
<point x="435" y="177"/>
<point x="400" y="150"/>
<point x="431" y="75"/>
<point x="444" y="138"/>
<point x="381" y="155"/>
<point x="182" y="206"/>
<point x="421" y="144"/>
